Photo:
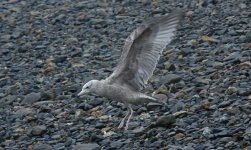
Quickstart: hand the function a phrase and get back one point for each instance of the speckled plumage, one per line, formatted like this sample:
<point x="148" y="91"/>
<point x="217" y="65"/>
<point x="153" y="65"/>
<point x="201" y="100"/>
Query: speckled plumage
<point x="139" y="58"/>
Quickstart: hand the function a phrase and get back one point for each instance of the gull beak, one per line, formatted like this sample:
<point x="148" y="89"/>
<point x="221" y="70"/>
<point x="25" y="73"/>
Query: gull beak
<point x="82" y="92"/>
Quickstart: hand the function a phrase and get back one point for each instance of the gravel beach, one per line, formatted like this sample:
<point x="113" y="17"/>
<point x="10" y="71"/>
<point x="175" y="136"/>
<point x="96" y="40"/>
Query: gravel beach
<point x="50" y="48"/>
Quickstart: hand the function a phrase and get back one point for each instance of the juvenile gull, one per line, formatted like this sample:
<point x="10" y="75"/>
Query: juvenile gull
<point x="138" y="60"/>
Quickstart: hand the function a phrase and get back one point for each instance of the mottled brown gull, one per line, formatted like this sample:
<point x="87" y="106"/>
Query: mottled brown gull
<point x="138" y="60"/>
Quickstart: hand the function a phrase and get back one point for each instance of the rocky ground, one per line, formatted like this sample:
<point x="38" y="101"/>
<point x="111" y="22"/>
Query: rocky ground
<point x="50" y="48"/>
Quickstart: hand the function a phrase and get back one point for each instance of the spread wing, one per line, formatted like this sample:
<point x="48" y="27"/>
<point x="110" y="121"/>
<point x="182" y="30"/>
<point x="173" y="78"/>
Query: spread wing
<point x="143" y="49"/>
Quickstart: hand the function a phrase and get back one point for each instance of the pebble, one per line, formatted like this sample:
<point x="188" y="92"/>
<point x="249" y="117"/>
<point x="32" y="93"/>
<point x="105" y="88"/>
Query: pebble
<point x="244" y="92"/>
<point x="164" y="121"/>
<point x="152" y="106"/>
<point x="41" y="146"/>
<point x="245" y="108"/>
<point x="161" y="97"/>
<point x="88" y="146"/>
<point x="247" y="148"/>
<point x="248" y="130"/>
<point x="116" y="144"/>
<point x="170" y="78"/>
<point x="7" y="100"/>
<point x="38" y="130"/>
<point x="31" y="98"/>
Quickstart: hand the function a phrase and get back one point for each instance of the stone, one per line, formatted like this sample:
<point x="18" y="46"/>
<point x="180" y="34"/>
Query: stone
<point x="245" y="108"/>
<point x="157" y="144"/>
<point x="7" y="100"/>
<point x="152" y="105"/>
<point x="16" y="34"/>
<point x="248" y="130"/>
<point x="23" y="111"/>
<point x="38" y="130"/>
<point x="234" y="55"/>
<point x="231" y="91"/>
<point x="170" y="78"/>
<point x="116" y="144"/>
<point x="169" y="66"/>
<point x="88" y="146"/>
<point x="225" y="139"/>
<point x="161" y="97"/>
<point x="244" y="92"/>
<point x="247" y="148"/>
<point x="41" y="146"/>
<point x="218" y="65"/>
<point x="32" y="98"/>
<point x="164" y="121"/>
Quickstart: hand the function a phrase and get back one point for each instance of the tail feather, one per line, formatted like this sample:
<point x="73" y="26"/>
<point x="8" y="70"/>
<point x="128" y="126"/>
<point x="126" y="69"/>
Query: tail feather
<point x="149" y="99"/>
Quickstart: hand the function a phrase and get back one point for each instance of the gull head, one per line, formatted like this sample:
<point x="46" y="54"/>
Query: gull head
<point x="89" y="87"/>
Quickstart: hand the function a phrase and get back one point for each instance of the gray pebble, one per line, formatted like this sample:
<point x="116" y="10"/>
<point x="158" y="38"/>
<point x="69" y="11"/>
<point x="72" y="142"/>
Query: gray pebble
<point x="89" y="146"/>
<point x="32" y="98"/>
<point x="41" y="146"/>
<point x="38" y="130"/>
<point x="170" y="78"/>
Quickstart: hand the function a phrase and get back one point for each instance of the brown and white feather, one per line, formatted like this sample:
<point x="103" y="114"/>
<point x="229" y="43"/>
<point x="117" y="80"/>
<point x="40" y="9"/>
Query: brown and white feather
<point x="142" y="50"/>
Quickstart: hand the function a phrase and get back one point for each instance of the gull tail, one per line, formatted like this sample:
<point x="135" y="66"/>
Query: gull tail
<point x="148" y="99"/>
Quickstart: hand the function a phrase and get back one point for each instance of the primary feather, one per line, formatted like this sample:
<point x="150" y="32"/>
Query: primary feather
<point x="142" y="50"/>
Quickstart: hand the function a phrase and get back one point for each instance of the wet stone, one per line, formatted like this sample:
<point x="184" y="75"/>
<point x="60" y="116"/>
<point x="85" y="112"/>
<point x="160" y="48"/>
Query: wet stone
<point x="38" y="130"/>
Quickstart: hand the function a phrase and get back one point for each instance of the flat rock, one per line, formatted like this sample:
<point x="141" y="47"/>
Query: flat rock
<point x="116" y="144"/>
<point x="248" y="130"/>
<point x="38" y="130"/>
<point x="234" y="55"/>
<point x="7" y="100"/>
<point x="164" y="121"/>
<point x="41" y="146"/>
<point x="247" y="148"/>
<point x="24" y="111"/>
<point x="88" y="146"/>
<point x="170" y="78"/>
<point x="32" y="98"/>
<point x="161" y="97"/>
<point x="152" y="106"/>
<point x="244" y="92"/>
<point x="245" y="108"/>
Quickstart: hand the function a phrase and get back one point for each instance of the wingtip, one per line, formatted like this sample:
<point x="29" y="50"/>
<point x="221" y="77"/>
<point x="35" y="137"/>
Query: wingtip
<point x="181" y="13"/>
<point x="178" y="13"/>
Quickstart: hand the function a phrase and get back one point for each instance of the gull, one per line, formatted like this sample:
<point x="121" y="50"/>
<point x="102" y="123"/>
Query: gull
<point x="140" y="55"/>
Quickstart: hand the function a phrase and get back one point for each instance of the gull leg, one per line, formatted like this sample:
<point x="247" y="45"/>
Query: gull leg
<point x="128" y="120"/>
<point x="123" y="120"/>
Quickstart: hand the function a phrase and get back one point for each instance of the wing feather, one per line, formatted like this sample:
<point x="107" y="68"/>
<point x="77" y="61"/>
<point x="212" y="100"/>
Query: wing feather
<point x="142" y="50"/>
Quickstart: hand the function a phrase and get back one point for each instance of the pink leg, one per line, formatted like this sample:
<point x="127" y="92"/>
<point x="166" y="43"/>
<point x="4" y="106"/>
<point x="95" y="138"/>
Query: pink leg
<point x="128" y="120"/>
<point x="123" y="120"/>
